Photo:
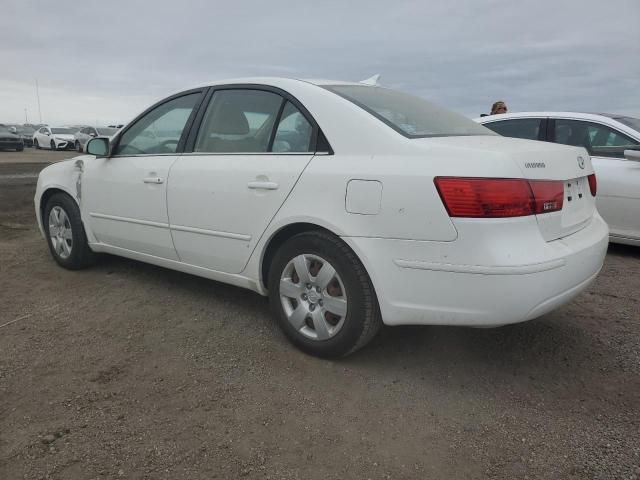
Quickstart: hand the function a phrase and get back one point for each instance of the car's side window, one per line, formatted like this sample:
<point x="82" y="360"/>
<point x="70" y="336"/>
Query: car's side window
<point x="294" y="131"/>
<point x="159" y="131"/>
<point x="238" y="121"/>
<point x="527" y="128"/>
<point x="599" y="140"/>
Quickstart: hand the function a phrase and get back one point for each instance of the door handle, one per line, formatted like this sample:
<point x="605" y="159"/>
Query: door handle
<point x="263" y="185"/>
<point x="154" y="180"/>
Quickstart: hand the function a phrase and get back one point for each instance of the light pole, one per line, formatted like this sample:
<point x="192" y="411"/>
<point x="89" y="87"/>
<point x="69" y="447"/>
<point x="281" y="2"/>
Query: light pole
<point x="38" y="95"/>
<point x="26" y="120"/>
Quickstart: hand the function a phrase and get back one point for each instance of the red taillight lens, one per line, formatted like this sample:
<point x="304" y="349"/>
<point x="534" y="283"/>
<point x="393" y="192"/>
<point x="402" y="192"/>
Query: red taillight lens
<point x="499" y="197"/>
<point x="593" y="184"/>
<point x="548" y="195"/>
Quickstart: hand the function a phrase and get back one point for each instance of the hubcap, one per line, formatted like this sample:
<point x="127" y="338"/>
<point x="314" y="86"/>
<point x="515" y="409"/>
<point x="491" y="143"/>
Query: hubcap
<point x="60" y="232"/>
<point x="313" y="297"/>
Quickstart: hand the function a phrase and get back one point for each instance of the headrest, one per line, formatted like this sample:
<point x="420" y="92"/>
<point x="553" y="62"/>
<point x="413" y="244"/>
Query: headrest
<point x="229" y="120"/>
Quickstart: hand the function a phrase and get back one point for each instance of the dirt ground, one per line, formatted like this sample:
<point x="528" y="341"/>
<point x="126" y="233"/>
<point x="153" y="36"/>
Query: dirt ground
<point x="130" y="371"/>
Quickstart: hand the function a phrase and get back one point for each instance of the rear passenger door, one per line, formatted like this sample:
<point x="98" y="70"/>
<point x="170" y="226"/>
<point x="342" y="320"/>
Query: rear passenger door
<point x="618" y="198"/>
<point x="250" y="149"/>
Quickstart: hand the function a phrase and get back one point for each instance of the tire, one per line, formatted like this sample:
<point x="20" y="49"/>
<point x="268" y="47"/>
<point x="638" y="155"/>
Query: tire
<point x="19" y="149"/>
<point x="78" y="147"/>
<point x="350" y="289"/>
<point x="53" y="145"/>
<point x="35" y="144"/>
<point x="77" y="255"/>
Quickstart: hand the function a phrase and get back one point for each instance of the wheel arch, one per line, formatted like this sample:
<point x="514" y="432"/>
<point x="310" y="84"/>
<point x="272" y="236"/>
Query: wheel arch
<point x="44" y="198"/>
<point x="280" y="236"/>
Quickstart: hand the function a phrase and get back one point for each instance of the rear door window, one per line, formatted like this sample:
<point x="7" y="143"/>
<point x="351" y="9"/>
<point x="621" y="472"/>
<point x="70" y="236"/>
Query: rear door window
<point x="526" y="128"/>
<point x="294" y="131"/>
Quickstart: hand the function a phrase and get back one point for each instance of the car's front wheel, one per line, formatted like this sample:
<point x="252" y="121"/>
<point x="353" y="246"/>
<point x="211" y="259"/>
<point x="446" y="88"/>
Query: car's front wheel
<point x="321" y="295"/>
<point x="65" y="233"/>
<point x="52" y="145"/>
<point x="35" y="144"/>
<point x="78" y="147"/>
<point x="20" y="148"/>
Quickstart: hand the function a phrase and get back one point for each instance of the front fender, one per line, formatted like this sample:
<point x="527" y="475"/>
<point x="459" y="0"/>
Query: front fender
<point x="65" y="176"/>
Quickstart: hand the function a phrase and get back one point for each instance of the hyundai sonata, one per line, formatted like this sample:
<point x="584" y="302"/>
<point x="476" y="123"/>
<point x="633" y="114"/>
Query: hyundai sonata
<point x="349" y="205"/>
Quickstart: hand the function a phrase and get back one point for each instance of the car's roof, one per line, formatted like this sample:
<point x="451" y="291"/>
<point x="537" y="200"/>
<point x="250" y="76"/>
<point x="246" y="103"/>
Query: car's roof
<point x="604" y="118"/>
<point x="580" y="115"/>
<point x="276" y="81"/>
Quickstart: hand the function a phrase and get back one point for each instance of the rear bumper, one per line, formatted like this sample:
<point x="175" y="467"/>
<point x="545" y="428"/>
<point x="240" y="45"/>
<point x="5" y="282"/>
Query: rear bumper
<point x="488" y="277"/>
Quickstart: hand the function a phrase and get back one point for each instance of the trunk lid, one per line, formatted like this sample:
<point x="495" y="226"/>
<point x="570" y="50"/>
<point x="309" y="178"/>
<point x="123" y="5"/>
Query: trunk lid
<point x="539" y="161"/>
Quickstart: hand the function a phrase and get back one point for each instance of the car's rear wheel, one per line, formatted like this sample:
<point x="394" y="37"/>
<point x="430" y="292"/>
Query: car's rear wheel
<point x="78" y="147"/>
<point x="52" y="145"/>
<point x="321" y="295"/>
<point x="35" y="144"/>
<point x="65" y="233"/>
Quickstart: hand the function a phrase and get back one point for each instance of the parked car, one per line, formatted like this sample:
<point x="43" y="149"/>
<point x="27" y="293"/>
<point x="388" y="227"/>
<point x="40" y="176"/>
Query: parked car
<point x="606" y="138"/>
<point x="54" y="138"/>
<point x="10" y="140"/>
<point x="85" y="134"/>
<point x="26" y="133"/>
<point x="348" y="205"/>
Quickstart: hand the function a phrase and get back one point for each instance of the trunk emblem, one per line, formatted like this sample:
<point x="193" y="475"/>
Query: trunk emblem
<point x="580" y="162"/>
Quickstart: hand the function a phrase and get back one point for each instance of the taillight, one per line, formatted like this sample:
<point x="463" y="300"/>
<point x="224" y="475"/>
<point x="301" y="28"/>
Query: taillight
<point x="499" y="197"/>
<point x="593" y="184"/>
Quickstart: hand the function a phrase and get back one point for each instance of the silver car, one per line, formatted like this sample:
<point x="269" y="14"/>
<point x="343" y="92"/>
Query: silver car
<point x="85" y="134"/>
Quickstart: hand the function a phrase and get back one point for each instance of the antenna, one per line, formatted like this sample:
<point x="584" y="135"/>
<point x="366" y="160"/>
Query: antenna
<point x="38" y="94"/>
<point x="373" y="81"/>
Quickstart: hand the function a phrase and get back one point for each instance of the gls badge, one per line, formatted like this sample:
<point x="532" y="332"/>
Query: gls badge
<point x="581" y="162"/>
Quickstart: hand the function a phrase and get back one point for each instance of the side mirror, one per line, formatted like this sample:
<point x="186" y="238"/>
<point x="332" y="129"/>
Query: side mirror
<point x="47" y="134"/>
<point x="632" y="155"/>
<point x="93" y="134"/>
<point x="98" y="147"/>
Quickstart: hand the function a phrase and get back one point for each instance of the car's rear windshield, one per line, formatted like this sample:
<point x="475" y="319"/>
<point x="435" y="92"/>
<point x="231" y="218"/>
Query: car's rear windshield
<point x="62" y="130"/>
<point x="413" y="117"/>
<point x="629" y="122"/>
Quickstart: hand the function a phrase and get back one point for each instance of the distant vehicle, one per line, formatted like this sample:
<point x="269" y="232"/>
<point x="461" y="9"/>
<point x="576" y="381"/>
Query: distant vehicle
<point x="350" y="205"/>
<point x="613" y="141"/>
<point x="85" y="134"/>
<point x="26" y="133"/>
<point x="54" y="138"/>
<point x="10" y="140"/>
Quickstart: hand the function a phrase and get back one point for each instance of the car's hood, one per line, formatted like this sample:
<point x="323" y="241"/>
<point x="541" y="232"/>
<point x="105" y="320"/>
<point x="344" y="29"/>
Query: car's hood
<point x="9" y="135"/>
<point x="64" y="136"/>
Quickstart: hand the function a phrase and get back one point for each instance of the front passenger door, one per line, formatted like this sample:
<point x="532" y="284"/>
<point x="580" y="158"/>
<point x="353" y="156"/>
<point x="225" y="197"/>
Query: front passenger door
<point x="124" y="196"/>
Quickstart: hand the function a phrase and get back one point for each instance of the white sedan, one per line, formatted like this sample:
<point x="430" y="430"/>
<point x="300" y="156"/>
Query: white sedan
<point x="606" y="138"/>
<point x="349" y="205"/>
<point x="54" y="138"/>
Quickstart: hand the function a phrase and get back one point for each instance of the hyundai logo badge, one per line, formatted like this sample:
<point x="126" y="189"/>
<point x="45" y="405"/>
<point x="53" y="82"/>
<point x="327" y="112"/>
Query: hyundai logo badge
<point x="580" y="162"/>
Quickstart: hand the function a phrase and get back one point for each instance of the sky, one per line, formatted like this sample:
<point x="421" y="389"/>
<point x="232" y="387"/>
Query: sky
<point x="101" y="63"/>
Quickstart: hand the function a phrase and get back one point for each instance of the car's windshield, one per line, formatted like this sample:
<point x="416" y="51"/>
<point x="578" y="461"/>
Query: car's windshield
<point x="629" y="122"/>
<point x="106" y="132"/>
<point x="62" y="130"/>
<point x="26" y="130"/>
<point x="411" y="116"/>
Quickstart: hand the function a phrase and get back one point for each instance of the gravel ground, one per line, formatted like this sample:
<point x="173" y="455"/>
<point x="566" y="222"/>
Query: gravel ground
<point x="131" y="371"/>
